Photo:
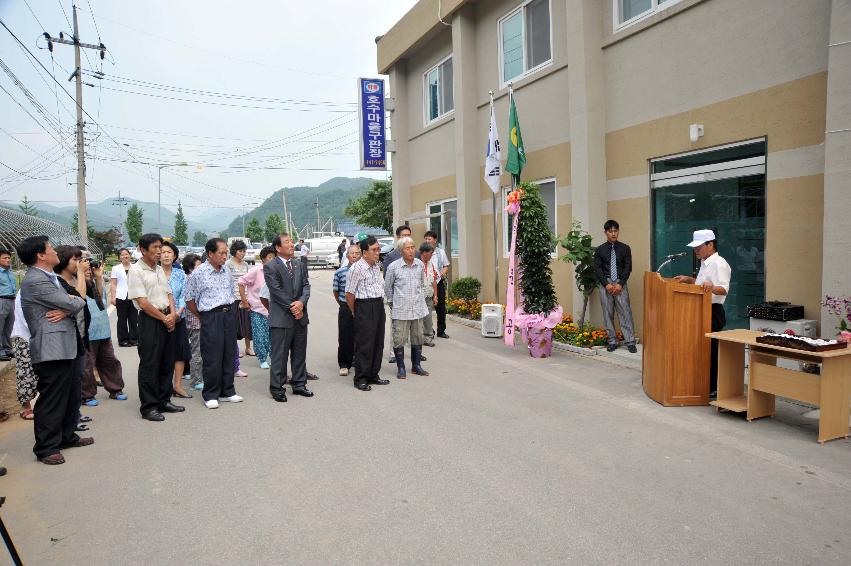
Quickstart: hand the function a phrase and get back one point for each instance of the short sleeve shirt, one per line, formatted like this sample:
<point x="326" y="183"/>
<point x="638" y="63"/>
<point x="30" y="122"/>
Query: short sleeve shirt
<point x="210" y="288"/>
<point x="364" y="281"/>
<point x="339" y="285"/>
<point x="149" y="282"/>
<point x="716" y="269"/>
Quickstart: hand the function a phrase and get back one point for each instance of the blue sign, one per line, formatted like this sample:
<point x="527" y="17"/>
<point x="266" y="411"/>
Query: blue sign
<point x="373" y="133"/>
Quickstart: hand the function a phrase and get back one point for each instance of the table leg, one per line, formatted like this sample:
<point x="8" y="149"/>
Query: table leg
<point x="834" y="393"/>
<point x="760" y="403"/>
<point x="731" y="370"/>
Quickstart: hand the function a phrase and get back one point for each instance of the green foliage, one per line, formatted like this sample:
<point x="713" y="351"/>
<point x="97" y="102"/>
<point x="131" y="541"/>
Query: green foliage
<point x="199" y="238"/>
<point x="254" y="231"/>
<point x="466" y="288"/>
<point x="274" y="226"/>
<point x="134" y="223"/>
<point x="27" y="207"/>
<point x="534" y="245"/>
<point x="580" y="253"/>
<point x="224" y="235"/>
<point x="375" y="207"/>
<point x="181" y="228"/>
<point x="107" y="240"/>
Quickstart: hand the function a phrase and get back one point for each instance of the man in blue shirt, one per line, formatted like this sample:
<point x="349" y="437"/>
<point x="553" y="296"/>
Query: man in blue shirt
<point x="8" y="288"/>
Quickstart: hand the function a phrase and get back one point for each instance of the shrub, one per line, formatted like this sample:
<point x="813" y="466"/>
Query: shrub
<point x="466" y="308"/>
<point x="534" y="245"/>
<point x="466" y="288"/>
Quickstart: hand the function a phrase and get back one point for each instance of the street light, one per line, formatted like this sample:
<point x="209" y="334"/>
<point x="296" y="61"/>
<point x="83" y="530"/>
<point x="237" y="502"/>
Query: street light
<point x="159" y="189"/>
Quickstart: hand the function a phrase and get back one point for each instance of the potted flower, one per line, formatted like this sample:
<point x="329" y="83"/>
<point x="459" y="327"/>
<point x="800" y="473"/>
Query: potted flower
<point x="538" y="312"/>
<point x="841" y="307"/>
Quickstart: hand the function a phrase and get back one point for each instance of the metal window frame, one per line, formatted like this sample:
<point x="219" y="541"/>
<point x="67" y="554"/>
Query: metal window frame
<point x="503" y="82"/>
<point x="428" y="120"/>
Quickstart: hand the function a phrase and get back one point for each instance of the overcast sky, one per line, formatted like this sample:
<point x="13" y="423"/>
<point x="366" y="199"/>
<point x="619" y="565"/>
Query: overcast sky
<point x="284" y="73"/>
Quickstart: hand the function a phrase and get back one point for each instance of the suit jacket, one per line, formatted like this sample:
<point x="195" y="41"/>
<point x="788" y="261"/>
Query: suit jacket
<point x="49" y="341"/>
<point x="284" y="289"/>
<point x="623" y="260"/>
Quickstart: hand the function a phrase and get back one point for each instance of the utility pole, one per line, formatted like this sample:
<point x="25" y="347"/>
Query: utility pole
<point x="286" y="214"/>
<point x="122" y="202"/>
<point x="316" y="204"/>
<point x="82" y="218"/>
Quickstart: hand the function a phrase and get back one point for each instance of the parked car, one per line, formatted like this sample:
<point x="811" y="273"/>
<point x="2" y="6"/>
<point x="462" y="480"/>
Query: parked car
<point x="387" y="245"/>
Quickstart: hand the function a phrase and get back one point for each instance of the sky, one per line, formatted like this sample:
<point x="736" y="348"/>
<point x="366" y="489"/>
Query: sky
<point x="250" y="83"/>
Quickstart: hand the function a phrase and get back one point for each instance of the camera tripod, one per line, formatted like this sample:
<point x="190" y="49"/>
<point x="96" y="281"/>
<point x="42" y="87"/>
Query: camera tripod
<point x="16" y="560"/>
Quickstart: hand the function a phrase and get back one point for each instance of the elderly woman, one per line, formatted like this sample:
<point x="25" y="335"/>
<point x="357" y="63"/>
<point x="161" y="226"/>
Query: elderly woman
<point x="403" y="289"/>
<point x="238" y="267"/>
<point x="101" y="355"/>
<point x="177" y="283"/>
<point x="250" y="285"/>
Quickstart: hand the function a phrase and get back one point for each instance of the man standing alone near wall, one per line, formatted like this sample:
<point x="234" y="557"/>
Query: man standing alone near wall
<point x="612" y="266"/>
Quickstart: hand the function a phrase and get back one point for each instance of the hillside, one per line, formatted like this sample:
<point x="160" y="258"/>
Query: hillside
<point x="333" y="195"/>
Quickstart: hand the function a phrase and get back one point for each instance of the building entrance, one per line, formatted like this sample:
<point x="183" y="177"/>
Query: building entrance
<point x="722" y="189"/>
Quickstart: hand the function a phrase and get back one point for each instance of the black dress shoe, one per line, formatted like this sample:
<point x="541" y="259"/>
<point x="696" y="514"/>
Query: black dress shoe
<point x="155" y="416"/>
<point x="443" y="335"/>
<point x="363" y="387"/>
<point x="171" y="408"/>
<point x="378" y="381"/>
<point x="280" y="397"/>
<point x="303" y="391"/>
<point x="632" y="349"/>
<point x="312" y="376"/>
<point x="611" y="347"/>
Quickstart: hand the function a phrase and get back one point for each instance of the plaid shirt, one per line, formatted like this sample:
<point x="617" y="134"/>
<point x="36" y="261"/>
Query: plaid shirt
<point x="403" y="287"/>
<point x="339" y="285"/>
<point x="364" y="281"/>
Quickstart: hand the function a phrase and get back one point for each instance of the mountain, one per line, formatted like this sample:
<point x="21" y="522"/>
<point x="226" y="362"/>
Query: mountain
<point x="334" y="195"/>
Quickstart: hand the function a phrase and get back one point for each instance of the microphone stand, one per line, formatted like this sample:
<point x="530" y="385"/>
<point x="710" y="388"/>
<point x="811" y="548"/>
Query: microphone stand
<point x="668" y="260"/>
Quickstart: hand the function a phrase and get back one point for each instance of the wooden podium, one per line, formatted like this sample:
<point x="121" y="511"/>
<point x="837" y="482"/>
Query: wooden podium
<point x="675" y="362"/>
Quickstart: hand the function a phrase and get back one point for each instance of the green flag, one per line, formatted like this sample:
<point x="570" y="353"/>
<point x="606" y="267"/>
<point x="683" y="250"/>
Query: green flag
<point x="516" y="153"/>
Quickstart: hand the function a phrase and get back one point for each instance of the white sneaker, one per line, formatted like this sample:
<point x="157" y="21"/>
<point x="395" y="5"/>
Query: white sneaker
<point x="233" y="399"/>
<point x="241" y="373"/>
<point x="344" y="371"/>
<point x="211" y="404"/>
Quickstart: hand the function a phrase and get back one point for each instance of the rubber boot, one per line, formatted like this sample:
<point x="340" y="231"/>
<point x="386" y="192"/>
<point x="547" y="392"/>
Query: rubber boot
<point x="400" y="362"/>
<point x="416" y="357"/>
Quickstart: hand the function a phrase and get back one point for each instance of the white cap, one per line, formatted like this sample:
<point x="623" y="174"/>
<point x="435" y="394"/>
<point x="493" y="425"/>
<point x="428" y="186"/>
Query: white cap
<point x="701" y="237"/>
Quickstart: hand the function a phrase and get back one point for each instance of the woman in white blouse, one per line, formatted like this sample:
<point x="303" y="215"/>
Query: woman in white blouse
<point x="127" y="313"/>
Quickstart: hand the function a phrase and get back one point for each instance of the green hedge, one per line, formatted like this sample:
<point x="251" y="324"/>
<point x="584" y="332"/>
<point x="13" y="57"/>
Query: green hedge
<point x="466" y="288"/>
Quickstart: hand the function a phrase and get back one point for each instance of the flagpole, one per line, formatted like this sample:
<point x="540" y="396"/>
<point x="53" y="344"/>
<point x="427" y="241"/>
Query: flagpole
<point x="510" y="100"/>
<point x="495" y="235"/>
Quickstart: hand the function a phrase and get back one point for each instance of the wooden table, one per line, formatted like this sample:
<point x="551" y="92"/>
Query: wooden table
<point x="830" y="391"/>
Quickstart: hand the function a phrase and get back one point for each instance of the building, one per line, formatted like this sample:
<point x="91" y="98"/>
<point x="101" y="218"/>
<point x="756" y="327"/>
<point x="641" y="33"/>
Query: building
<point x="608" y="93"/>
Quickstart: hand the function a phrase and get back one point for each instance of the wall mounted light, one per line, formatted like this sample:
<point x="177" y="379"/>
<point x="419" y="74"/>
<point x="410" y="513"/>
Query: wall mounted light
<point x="695" y="132"/>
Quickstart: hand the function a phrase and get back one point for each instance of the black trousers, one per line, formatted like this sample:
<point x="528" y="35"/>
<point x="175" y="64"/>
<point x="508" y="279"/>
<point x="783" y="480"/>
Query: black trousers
<point x="289" y="345"/>
<point x="218" y="352"/>
<point x="57" y="409"/>
<point x="719" y="320"/>
<point x="441" y="306"/>
<point x="156" y="363"/>
<point x="128" y="319"/>
<point x="369" y="322"/>
<point x="345" y="337"/>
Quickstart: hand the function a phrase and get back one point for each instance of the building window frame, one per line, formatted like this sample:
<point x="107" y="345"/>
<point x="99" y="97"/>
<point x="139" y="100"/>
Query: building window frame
<point x="526" y="70"/>
<point x="656" y="6"/>
<point x="442" y="204"/>
<point x="506" y="225"/>
<point x="441" y="113"/>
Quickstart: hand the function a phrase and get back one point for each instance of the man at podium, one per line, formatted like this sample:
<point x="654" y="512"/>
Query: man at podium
<point x="714" y="276"/>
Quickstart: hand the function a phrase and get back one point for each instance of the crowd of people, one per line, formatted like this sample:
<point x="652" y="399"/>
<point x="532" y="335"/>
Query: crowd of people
<point x="186" y="317"/>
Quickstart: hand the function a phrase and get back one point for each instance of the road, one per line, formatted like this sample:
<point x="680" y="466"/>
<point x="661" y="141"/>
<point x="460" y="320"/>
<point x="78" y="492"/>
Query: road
<point x="495" y="458"/>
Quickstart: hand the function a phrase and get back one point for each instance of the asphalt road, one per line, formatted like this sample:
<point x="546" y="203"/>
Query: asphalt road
<point x="495" y="458"/>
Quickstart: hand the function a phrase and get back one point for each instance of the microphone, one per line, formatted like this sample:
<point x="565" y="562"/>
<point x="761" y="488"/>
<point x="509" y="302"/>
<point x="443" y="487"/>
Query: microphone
<point x="675" y="256"/>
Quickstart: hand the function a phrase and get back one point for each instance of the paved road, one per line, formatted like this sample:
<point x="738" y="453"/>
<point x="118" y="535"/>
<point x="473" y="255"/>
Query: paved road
<point x="494" y="459"/>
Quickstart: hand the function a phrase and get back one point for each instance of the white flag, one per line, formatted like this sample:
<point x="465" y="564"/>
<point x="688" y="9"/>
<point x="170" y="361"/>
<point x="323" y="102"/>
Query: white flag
<point x="492" y="159"/>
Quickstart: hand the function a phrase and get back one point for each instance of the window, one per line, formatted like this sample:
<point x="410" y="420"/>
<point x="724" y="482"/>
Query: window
<point x="631" y="11"/>
<point x="524" y="40"/>
<point x="439" y="98"/>
<point x="548" y="195"/>
<point x="438" y="223"/>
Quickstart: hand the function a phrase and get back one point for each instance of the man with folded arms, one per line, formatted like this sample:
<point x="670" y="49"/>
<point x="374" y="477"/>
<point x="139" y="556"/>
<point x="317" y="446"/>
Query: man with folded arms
<point x="54" y="345"/>
<point x="147" y="286"/>
<point x="210" y="296"/>
<point x="365" y="297"/>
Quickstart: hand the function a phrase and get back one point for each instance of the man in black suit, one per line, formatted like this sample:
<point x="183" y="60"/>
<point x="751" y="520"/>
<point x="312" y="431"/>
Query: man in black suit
<point x="289" y="290"/>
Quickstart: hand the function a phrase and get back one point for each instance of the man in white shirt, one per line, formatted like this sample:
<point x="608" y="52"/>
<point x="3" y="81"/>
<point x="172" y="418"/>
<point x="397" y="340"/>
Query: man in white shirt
<point x="714" y="277"/>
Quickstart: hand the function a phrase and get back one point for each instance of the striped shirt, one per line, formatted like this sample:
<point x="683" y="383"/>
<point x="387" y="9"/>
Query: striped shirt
<point x="339" y="285"/>
<point x="365" y="281"/>
<point x="403" y="287"/>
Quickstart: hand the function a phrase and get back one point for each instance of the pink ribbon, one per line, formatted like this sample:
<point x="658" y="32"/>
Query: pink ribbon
<point x="514" y="209"/>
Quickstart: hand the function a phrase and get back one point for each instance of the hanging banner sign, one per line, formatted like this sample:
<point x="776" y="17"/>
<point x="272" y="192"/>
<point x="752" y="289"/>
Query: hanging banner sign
<point x="373" y="133"/>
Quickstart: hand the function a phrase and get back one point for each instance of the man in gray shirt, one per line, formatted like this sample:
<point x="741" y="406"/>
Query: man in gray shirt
<point x="403" y="288"/>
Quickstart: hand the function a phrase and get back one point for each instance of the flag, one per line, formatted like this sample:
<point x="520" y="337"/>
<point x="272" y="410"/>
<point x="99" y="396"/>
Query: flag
<point x="516" y="153"/>
<point x="492" y="157"/>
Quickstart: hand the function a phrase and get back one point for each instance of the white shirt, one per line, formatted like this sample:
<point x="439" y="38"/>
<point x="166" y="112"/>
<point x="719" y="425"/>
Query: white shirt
<point x="716" y="269"/>
<point x="120" y="277"/>
<point x="439" y="261"/>
<point x="20" y="327"/>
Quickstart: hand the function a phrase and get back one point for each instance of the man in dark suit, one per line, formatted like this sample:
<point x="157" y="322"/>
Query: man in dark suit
<point x="54" y="345"/>
<point x="289" y="290"/>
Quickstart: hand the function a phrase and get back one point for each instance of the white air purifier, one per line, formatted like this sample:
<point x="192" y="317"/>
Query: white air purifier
<point x="492" y="321"/>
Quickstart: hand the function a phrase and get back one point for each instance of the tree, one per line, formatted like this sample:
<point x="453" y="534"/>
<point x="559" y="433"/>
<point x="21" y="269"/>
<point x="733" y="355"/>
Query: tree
<point x="75" y="226"/>
<point x="134" y="222"/>
<point x="224" y="235"/>
<point x="375" y="207"/>
<point x="254" y="231"/>
<point x="108" y="241"/>
<point x="28" y="208"/>
<point x="580" y="253"/>
<point x="199" y="238"/>
<point x="181" y="234"/>
<point x="274" y="226"/>
<point x="534" y="247"/>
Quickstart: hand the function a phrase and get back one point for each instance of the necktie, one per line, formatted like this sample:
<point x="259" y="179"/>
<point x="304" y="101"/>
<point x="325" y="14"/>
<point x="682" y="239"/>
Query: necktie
<point x="289" y="266"/>
<point x="613" y="266"/>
